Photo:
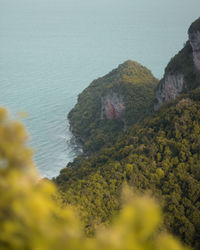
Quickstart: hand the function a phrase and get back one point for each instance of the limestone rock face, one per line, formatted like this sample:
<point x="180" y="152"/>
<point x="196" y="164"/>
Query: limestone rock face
<point x="169" y="87"/>
<point x="195" y="43"/>
<point x="112" y="107"/>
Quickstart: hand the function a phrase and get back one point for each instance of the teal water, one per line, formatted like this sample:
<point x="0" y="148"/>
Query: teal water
<point x="50" y="50"/>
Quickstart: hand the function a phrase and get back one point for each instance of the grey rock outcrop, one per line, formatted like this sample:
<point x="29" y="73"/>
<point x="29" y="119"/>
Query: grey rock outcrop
<point x="194" y="38"/>
<point x="168" y="88"/>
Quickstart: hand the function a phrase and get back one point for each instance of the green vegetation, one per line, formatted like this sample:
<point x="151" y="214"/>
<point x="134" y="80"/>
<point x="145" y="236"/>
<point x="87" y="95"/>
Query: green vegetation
<point x="130" y="80"/>
<point x="159" y="156"/>
<point x="132" y="155"/>
<point x="32" y="217"/>
<point x="195" y="26"/>
<point x="182" y="61"/>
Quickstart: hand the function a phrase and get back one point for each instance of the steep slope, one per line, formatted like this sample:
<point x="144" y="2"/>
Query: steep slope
<point x="183" y="71"/>
<point x="112" y="103"/>
<point x="160" y="155"/>
<point x="194" y="36"/>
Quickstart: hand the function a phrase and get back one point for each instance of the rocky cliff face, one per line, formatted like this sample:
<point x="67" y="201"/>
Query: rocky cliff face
<point x="195" y="43"/>
<point x="169" y="87"/>
<point x="181" y="70"/>
<point x="112" y="107"/>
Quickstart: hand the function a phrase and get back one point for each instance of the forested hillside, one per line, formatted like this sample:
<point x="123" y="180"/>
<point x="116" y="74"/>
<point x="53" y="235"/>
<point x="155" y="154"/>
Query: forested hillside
<point x="159" y="156"/>
<point x="32" y="216"/>
<point x="158" y="153"/>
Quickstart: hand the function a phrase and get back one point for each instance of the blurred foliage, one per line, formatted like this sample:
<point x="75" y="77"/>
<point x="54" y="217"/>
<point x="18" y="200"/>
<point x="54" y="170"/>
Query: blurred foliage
<point x="159" y="155"/>
<point x="32" y="217"/>
<point x="132" y="81"/>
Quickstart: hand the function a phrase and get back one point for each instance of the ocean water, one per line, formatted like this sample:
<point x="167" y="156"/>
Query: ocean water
<point x="50" y="50"/>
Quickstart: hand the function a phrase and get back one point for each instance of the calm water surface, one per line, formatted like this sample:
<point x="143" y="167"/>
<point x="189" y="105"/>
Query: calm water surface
<point x="50" y="50"/>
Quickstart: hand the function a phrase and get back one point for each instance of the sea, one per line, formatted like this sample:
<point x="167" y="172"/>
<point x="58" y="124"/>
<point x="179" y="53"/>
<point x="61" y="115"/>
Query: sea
<point x="50" y="50"/>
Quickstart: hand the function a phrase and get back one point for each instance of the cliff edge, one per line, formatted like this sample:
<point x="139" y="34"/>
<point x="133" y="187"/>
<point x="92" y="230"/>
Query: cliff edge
<point x="183" y="71"/>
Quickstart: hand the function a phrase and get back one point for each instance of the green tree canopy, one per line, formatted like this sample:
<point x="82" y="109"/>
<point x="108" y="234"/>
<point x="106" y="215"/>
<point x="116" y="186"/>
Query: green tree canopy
<point x="31" y="218"/>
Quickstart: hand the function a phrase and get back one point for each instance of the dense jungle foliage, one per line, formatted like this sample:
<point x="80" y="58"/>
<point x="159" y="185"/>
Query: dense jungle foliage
<point x="31" y="216"/>
<point x="134" y="83"/>
<point x="159" y="155"/>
